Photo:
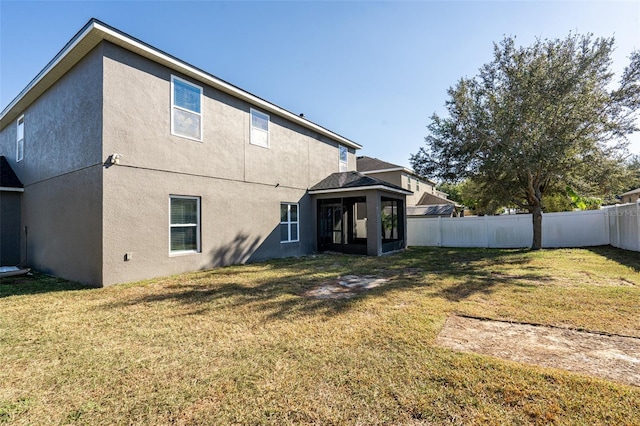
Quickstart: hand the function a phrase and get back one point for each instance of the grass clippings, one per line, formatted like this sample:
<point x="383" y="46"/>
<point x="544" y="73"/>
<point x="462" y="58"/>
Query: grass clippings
<point x="242" y="345"/>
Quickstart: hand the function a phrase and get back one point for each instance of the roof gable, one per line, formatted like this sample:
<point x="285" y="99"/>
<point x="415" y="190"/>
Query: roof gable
<point x="95" y="31"/>
<point x="367" y="164"/>
<point x="430" y="199"/>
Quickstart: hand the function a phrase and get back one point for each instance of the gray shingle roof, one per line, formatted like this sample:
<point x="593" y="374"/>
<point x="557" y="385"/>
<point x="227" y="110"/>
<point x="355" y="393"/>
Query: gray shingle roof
<point x="344" y="180"/>
<point x="430" y="199"/>
<point x="366" y="164"/>
<point x="8" y="178"/>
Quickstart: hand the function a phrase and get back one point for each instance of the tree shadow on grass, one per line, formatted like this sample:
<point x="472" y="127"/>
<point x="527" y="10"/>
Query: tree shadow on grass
<point x="485" y="282"/>
<point x="479" y="271"/>
<point x="627" y="258"/>
<point x="276" y="288"/>
<point x="36" y="283"/>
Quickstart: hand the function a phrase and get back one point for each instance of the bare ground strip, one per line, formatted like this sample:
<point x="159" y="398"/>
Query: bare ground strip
<point x="611" y="357"/>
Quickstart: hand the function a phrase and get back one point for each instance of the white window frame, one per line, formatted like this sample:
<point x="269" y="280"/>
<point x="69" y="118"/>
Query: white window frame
<point x="417" y="185"/>
<point x="257" y="129"/>
<point x="183" y="225"/>
<point x="174" y="107"/>
<point x="409" y="182"/>
<point x="290" y="222"/>
<point x="20" y="138"/>
<point x="343" y="166"/>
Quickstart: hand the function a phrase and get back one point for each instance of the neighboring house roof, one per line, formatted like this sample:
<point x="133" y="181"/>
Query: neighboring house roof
<point x="632" y="192"/>
<point x="8" y="179"/>
<point x="430" y="199"/>
<point x="353" y="181"/>
<point x="432" y="210"/>
<point x="367" y="165"/>
<point x="95" y="32"/>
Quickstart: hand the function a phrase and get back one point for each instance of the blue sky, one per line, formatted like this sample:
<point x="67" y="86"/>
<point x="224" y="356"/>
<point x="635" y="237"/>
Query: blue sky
<point x="373" y="72"/>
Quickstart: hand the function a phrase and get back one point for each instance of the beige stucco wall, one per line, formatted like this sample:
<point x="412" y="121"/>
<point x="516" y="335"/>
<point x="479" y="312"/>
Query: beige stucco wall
<point x="240" y="185"/>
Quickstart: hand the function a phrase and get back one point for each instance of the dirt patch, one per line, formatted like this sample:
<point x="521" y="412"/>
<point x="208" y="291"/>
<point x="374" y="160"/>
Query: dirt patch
<point x="612" y="357"/>
<point x="345" y="287"/>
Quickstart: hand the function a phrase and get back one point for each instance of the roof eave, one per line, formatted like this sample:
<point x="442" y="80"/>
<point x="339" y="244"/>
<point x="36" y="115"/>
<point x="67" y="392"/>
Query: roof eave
<point x="95" y="31"/>
<point x="632" y="192"/>
<point x="360" y="188"/>
<point x="393" y="169"/>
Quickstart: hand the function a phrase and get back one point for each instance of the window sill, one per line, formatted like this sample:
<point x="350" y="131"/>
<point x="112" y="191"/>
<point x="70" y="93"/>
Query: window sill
<point x="183" y="253"/>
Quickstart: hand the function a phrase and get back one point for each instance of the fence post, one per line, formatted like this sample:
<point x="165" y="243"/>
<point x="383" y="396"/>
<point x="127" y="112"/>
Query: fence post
<point x="617" y="228"/>
<point x="439" y="231"/>
<point x="486" y="230"/>
<point x="607" y="232"/>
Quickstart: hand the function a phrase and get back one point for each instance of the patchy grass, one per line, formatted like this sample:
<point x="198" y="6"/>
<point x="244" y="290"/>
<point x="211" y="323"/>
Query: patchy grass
<point x="239" y="345"/>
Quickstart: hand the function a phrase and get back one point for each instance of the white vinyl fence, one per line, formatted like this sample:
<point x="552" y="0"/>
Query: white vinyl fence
<point x="624" y="226"/>
<point x="616" y="225"/>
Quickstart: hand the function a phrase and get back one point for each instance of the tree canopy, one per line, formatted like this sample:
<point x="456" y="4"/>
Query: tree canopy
<point x="535" y="120"/>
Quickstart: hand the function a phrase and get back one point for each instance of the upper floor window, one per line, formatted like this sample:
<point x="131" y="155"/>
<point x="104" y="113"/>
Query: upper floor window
<point x="20" y="139"/>
<point x="417" y="185"/>
<point x="409" y="182"/>
<point x="186" y="109"/>
<point x="259" y="128"/>
<point x="343" y="158"/>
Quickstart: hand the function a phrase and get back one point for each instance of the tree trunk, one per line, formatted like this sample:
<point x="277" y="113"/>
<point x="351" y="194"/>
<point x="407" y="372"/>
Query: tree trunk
<point x="537" y="228"/>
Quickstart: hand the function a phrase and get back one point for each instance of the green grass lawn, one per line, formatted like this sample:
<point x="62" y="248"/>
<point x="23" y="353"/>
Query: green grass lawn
<point x="239" y="345"/>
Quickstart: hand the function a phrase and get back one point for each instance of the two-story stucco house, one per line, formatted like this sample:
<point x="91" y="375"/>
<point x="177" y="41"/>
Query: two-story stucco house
<point x="133" y="164"/>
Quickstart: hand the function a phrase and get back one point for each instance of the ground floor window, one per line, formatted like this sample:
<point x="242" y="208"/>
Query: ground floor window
<point x="289" y="225"/>
<point x="184" y="224"/>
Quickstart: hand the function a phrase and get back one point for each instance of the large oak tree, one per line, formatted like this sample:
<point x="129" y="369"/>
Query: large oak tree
<point x="535" y="120"/>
